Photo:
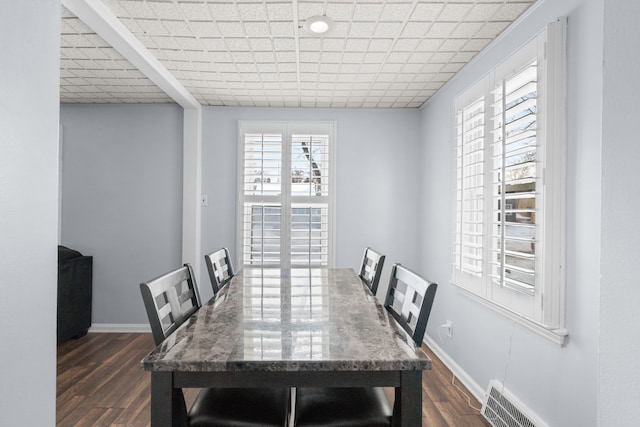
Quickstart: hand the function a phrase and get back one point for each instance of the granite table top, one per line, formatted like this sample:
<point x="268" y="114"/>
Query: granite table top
<point x="286" y="320"/>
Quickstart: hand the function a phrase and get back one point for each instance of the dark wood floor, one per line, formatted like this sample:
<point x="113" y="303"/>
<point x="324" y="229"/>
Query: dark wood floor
<point x="99" y="383"/>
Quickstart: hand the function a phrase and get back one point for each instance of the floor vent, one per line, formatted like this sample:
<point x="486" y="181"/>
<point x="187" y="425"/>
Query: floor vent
<point x="502" y="409"/>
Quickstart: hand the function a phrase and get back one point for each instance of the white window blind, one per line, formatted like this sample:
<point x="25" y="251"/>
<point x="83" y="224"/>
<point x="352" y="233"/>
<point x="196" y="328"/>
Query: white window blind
<point x="286" y="197"/>
<point x="470" y="188"/>
<point x="514" y="181"/>
<point x="508" y="239"/>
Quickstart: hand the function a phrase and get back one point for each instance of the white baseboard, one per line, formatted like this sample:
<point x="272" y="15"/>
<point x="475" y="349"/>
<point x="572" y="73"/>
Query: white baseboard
<point x="110" y="328"/>
<point x="473" y="387"/>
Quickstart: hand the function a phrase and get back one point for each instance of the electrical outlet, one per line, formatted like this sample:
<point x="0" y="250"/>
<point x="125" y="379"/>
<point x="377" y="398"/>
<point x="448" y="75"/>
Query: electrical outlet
<point x="449" y="327"/>
<point x="204" y="200"/>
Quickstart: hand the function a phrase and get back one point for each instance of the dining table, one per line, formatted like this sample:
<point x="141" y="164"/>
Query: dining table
<point x="290" y="327"/>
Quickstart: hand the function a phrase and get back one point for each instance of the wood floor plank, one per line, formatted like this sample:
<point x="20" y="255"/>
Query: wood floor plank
<point x="99" y="383"/>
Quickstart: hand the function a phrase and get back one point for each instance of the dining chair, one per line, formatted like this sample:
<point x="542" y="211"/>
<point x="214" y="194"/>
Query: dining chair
<point x="372" y="263"/>
<point x="409" y="300"/>
<point x="220" y="268"/>
<point x="170" y="300"/>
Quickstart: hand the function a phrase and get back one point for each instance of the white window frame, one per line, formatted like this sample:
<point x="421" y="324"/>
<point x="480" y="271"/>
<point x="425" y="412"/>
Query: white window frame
<point x="285" y="198"/>
<point x="542" y="309"/>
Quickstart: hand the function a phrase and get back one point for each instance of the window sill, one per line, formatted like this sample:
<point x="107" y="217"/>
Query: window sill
<point x="557" y="336"/>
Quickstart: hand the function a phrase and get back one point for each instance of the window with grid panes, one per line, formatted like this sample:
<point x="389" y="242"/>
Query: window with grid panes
<point x="285" y="197"/>
<point x="508" y="241"/>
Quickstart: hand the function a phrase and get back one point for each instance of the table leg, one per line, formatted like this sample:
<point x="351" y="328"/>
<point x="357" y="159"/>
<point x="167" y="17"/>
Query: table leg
<point x="168" y="407"/>
<point x="407" y="410"/>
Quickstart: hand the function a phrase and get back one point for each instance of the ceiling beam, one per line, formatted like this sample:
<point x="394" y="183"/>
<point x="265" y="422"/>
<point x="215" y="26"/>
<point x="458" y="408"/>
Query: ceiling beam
<point x="100" y="19"/>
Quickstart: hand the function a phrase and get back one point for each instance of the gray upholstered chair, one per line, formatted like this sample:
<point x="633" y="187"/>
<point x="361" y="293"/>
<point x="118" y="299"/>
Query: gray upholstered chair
<point x="170" y="300"/>
<point x="409" y="301"/>
<point x="220" y="268"/>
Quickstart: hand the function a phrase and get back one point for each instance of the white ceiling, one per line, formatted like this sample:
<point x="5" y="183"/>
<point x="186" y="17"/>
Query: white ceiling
<point x="381" y="54"/>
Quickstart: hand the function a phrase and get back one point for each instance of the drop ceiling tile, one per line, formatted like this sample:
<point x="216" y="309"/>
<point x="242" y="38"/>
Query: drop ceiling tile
<point x="238" y="44"/>
<point x="284" y="44"/>
<point x="391" y="68"/>
<point x="261" y="44"/>
<point x="367" y="12"/>
<point x="350" y="68"/>
<point x="406" y="45"/>
<point x="240" y="57"/>
<point x="353" y="58"/>
<point x="307" y="9"/>
<point x="166" y="43"/>
<point x="165" y="10"/>
<point x="476" y="45"/>
<point x="285" y="57"/>
<point x="280" y="11"/>
<point x="231" y="29"/>
<point x="452" y="67"/>
<point x="256" y="29"/>
<point x="333" y="45"/>
<point x="388" y="29"/>
<point x="340" y="11"/>
<point x="452" y="45"/>
<point x="281" y="28"/>
<point x="509" y="12"/>
<point x="224" y="11"/>
<point x="362" y="29"/>
<point x="289" y="67"/>
<point x="429" y="45"/>
<point x="332" y="57"/>
<point x="463" y="57"/>
<point x="252" y="11"/>
<point x="467" y="30"/>
<point x="491" y="29"/>
<point x="454" y="12"/>
<point x="399" y="57"/>
<point x="483" y="11"/>
<point x="356" y="45"/>
<point x="440" y="30"/>
<point x="152" y="27"/>
<point x="369" y="68"/>
<point x="264" y="57"/>
<point x="397" y="11"/>
<point x="380" y="45"/>
<point x="194" y="11"/>
<point x="214" y="44"/>
<point x="134" y="9"/>
<point x="441" y="57"/>
<point x="415" y="29"/>
<point x="426" y="12"/>
<point x="204" y="29"/>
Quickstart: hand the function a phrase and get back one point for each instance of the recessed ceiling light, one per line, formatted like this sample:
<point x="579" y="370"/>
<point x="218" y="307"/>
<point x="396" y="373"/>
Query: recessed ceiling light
<point x="318" y="25"/>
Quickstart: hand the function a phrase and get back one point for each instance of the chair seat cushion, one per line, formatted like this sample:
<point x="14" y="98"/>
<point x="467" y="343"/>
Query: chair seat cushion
<point x="240" y="407"/>
<point x="342" y="407"/>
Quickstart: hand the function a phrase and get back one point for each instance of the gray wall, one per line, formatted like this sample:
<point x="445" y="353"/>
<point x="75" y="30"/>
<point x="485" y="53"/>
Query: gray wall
<point x="122" y="178"/>
<point x="377" y="179"/>
<point x="29" y="95"/>
<point x="559" y="384"/>
<point x="619" y="373"/>
<point x="122" y="199"/>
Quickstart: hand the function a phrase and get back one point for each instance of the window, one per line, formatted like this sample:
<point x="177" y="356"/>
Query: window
<point x="285" y="194"/>
<point x="508" y="242"/>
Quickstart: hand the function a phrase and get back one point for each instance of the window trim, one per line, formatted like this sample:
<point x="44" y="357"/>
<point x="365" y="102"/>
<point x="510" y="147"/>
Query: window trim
<point x="550" y="294"/>
<point x="287" y="128"/>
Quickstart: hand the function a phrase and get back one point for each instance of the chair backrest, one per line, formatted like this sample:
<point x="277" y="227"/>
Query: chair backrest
<point x="409" y="300"/>
<point x="170" y="300"/>
<point x="372" y="263"/>
<point x="220" y="268"/>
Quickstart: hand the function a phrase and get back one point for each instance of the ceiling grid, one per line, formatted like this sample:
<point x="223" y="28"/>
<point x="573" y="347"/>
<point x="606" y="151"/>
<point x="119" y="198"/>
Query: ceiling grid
<point x="380" y="53"/>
